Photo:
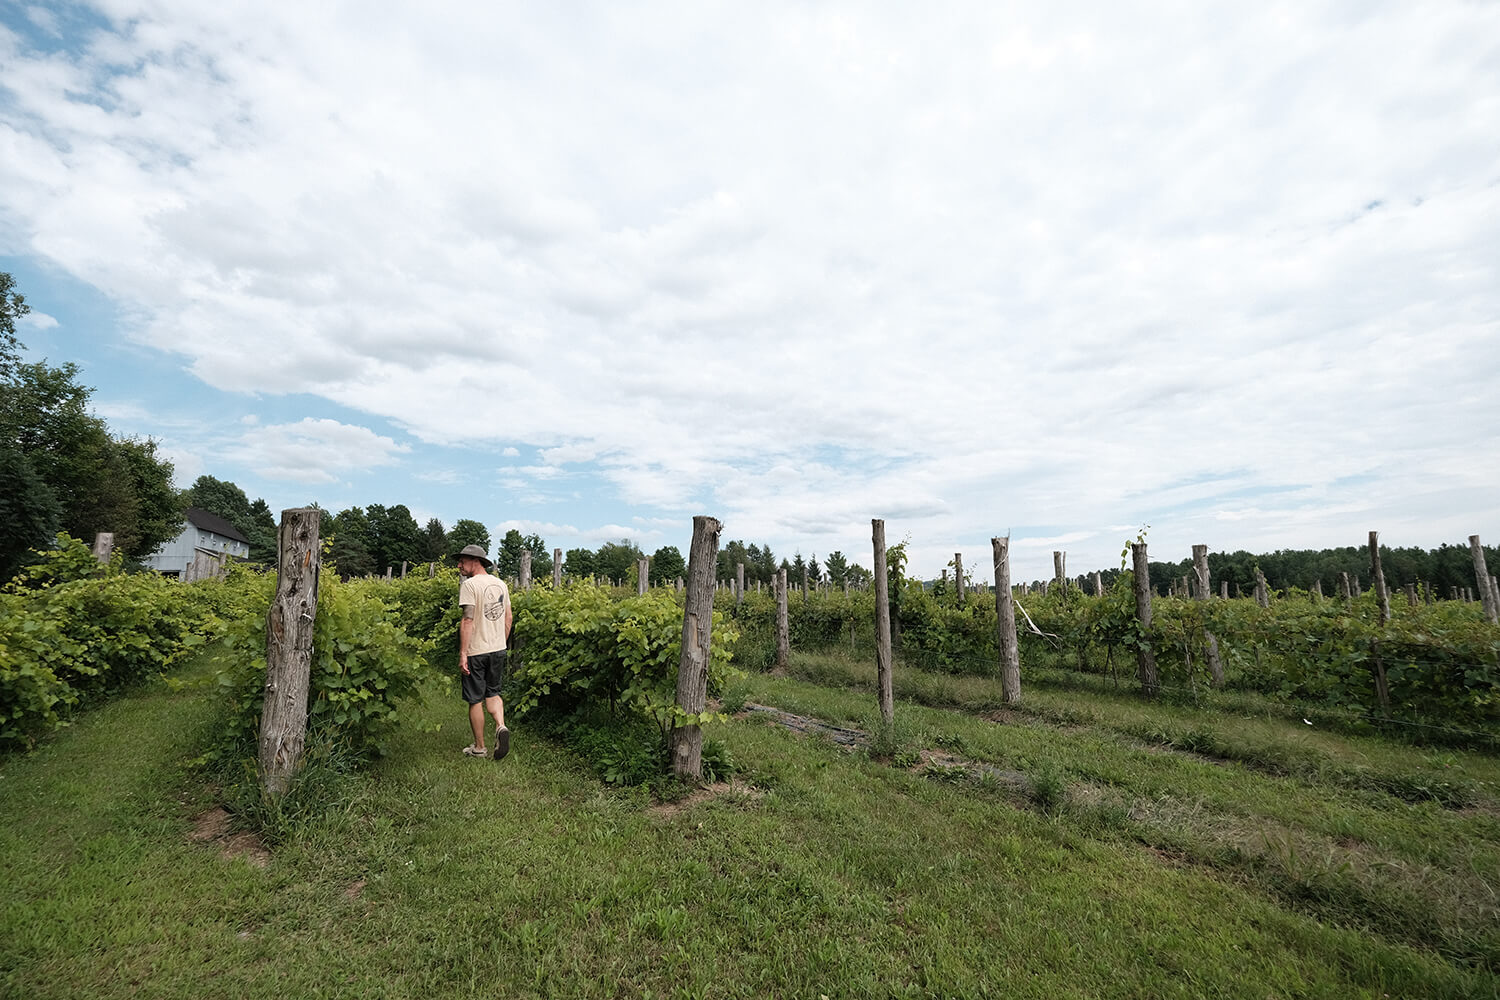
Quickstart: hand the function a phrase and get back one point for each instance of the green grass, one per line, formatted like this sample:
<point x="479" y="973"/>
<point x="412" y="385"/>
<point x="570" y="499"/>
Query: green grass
<point x="826" y="872"/>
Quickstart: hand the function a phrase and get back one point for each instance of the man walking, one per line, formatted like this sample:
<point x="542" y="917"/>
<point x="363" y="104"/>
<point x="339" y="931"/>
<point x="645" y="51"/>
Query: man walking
<point x="482" y="635"/>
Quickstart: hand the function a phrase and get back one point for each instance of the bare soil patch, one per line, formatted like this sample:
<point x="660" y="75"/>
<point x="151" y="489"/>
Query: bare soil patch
<point x="214" y="827"/>
<point x="736" y="791"/>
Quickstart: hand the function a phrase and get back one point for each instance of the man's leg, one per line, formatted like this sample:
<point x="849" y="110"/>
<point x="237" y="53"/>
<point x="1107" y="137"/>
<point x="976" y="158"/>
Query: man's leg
<point x="476" y="722"/>
<point x="496" y="707"/>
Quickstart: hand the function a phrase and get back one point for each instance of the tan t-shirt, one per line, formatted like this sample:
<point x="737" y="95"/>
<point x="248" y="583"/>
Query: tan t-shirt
<point x="489" y="597"/>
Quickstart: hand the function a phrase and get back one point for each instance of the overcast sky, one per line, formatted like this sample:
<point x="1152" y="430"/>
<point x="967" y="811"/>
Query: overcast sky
<point x="588" y="269"/>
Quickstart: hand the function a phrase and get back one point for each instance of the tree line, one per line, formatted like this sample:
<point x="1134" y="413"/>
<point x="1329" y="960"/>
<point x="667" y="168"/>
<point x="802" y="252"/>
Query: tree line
<point x="60" y="467"/>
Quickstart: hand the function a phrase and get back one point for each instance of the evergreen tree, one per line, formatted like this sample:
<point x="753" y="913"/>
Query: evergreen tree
<point x="838" y="568"/>
<point x="434" y="540"/>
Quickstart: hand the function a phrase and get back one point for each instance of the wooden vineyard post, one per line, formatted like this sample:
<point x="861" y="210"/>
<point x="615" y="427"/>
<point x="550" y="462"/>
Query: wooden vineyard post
<point x="1005" y="624"/>
<point x="1377" y="576"/>
<point x="1210" y="641"/>
<point x="739" y="585"/>
<point x="104" y="546"/>
<point x="882" y="623"/>
<point x="958" y="575"/>
<point x="557" y="569"/>
<point x="643" y="569"/>
<point x="1059" y="564"/>
<point x="1145" y="659"/>
<point x="1482" y="578"/>
<point x="1344" y="587"/>
<point x="783" y="626"/>
<point x="289" y="647"/>
<point x="1262" y="592"/>
<point x="525" y="580"/>
<point x="697" y="634"/>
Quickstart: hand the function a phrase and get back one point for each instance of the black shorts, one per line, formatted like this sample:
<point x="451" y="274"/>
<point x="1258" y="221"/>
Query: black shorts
<point x="485" y="678"/>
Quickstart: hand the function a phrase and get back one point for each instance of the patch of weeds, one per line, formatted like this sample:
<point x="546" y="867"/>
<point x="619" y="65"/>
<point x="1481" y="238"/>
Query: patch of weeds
<point x="888" y="738"/>
<point x="1048" y="788"/>
<point x="324" y="784"/>
<point x="623" y="751"/>
<point x="718" y="763"/>
<point x="946" y="772"/>
<point x="906" y="759"/>
<point x="733" y="701"/>
<point x="954" y="742"/>
<point x="1451" y="793"/>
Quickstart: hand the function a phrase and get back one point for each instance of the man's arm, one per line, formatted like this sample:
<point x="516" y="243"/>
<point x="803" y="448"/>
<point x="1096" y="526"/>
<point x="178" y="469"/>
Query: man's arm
<point x="465" y="629"/>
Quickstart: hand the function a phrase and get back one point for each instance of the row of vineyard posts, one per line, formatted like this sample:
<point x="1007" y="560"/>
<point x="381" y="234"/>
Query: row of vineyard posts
<point x="292" y="613"/>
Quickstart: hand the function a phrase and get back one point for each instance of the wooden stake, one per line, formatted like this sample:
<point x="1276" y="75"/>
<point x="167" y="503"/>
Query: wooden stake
<point x="289" y="647"/>
<point x="1377" y="576"/>
<point x="958" y="575"/>
<point x="1005" y="624"/>
<point x="882" y="623"/>
<point x="783" y="628"/>
<point x="525" y="569"/>
<point x="104" y="546"/>
<point x="1482" y="578"/>
<point x="697" y="635"/>
<point x="557" y="569"/>
<point x="1145" y="659"/>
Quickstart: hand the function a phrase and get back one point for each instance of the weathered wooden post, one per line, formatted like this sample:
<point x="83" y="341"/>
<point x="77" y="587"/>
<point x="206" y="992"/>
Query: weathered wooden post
<point x="739" y="587"/>
<point x="557" y="569"/>
<point x="1411" y="595"/>
<point x="1344" y="586"/>
<point x="1377" y="576"/>
<point x="1059" y="563"/>
<point x="958" y="575"/>
<point x="1224" y="589"/>
<point x="1262" y="591"/>
<point x="1482" y="578"/>
<point x="783" y="625"/>
<point x="1210" y="641"/>
<point x="104" y="546"/>
<point x="1098" y="584"/>
<point x="403" y="569"/>
<point x="643" y="569"/>
<point x="1145" y="659"/>
<point x="1317" y="590"/>
<point x="289" y="647"/>
<point x="431" y="570"/>
<point x="1005" y="624"/>
<point x="1383" y="609"/>
<point x="882" y="623"/>
<point x="525" y="580"/>
<point x="697" y="634"/>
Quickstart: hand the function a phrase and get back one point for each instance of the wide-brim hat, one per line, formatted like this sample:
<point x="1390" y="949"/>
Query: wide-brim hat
<point x="475" y="552"/>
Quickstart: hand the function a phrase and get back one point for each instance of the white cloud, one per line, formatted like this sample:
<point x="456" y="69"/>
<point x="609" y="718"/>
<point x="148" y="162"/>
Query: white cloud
<point x="37" y="321"/>
<point x="986" y="266"/>
<point x="313" y="450"/>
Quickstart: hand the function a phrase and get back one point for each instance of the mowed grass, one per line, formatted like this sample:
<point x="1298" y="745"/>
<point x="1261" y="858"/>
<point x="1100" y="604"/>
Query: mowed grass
<point x="820" y="873"/>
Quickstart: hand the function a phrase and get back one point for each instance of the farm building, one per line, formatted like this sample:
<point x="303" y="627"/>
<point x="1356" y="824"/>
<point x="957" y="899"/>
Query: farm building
<point x="203" y="534"/>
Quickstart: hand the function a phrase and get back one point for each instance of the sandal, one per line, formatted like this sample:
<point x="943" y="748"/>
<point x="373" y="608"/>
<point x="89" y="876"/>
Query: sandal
<point x="472" y="751"/>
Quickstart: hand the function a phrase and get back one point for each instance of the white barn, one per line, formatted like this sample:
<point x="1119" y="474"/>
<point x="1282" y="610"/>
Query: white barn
<point x="202" y="534"/>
